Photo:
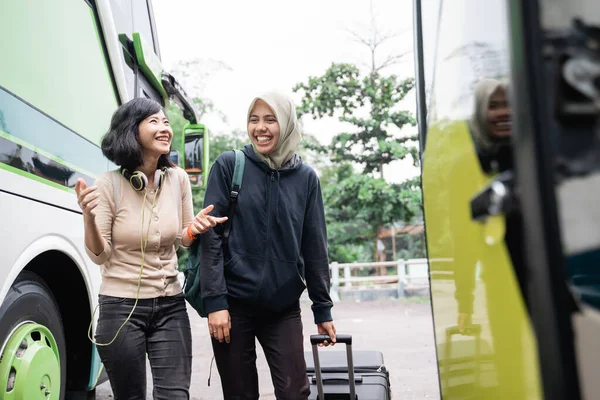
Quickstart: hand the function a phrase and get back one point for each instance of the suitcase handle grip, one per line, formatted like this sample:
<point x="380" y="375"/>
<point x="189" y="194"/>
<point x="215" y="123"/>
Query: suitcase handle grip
<point x="340" y="338"/>
<point x="470" y="330"/>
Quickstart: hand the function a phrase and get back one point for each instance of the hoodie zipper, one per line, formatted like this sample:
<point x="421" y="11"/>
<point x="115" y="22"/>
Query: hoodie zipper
<point x="269" y="195"/>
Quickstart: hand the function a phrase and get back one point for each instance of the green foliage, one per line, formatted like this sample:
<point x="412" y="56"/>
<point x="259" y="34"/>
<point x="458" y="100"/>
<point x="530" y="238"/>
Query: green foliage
<point x="411" y="246"/>
<point x="358" y="204"/>
<point x="372" y="200"/>
<point x="342" y="92"/>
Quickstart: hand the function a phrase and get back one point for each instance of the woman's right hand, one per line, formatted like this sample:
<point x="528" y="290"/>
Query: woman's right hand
<point x="219" y="325"/>
<point x="203" y="222"/>
<point x="87" y="198"/>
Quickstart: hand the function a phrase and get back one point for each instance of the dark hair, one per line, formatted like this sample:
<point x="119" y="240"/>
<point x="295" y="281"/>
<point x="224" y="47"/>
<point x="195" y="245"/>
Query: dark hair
<point x="121" y="143"/>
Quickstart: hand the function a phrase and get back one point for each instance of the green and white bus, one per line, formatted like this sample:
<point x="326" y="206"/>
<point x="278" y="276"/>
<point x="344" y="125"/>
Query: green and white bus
<point x="65" y="67"/>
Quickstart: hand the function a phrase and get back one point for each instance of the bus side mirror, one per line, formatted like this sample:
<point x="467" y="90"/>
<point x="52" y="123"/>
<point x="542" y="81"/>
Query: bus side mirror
<point x="193" y="152"/>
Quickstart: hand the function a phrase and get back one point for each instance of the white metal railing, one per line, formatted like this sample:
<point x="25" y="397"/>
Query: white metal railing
<point x="413" y="271"/>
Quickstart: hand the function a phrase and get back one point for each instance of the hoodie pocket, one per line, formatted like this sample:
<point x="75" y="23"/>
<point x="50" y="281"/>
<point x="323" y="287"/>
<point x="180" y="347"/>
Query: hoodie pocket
<point x="282" y="285"/>
<point x="242" y="274"/>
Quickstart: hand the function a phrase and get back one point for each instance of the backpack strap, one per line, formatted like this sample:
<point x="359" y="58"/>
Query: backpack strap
<point x="236" y="186"/>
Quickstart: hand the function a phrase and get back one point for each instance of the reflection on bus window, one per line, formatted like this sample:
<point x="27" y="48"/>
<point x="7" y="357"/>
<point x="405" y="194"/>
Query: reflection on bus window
<point x="491" y="127"/>
<point x="131" y="16"/>
<point x="141" y="21"/>
<point x="193" y="153"/>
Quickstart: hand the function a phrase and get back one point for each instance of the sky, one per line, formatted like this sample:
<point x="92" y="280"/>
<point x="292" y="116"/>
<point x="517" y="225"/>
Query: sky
<point x="273" y="45"/>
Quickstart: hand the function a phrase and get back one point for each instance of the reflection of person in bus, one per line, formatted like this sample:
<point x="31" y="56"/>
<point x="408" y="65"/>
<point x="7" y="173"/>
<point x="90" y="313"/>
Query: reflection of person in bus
<point x="52" y="170"/>
<point x="277" y="248"/>
<point x="491" y="130"/>
<point x="145" y="267"/>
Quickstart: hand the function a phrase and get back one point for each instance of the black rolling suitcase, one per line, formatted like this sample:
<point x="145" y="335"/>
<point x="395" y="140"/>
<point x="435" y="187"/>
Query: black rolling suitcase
<point x="339" y="375"/>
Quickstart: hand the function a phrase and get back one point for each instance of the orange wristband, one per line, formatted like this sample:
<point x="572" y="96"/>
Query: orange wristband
<point x="189" y="232"/>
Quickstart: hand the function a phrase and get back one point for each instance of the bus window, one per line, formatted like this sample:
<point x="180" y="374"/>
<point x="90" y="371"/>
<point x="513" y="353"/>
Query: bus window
<point x="132" y="16"/>
<point x="193" y="154"/>
<point x="142" y="22"/>
<point x="429" y="17"/>
<point x="426" y="26"/>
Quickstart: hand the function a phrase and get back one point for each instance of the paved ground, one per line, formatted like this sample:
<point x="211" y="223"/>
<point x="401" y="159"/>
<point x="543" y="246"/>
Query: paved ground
<point x="402" y="330"/>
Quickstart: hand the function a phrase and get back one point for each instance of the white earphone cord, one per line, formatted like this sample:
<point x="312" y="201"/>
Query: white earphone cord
<point x="143" y="245"/>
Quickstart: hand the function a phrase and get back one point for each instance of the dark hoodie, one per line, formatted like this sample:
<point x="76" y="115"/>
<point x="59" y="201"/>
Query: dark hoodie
<point x="278" y="241"/>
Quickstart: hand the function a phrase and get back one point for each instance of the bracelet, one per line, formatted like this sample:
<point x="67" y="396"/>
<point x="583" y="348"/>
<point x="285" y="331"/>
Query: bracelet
<point x="189" y="233"/>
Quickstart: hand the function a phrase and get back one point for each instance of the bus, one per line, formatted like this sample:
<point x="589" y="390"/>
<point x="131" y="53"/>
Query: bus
<point x="66" y="66"/>
<point x="508" y="96"/>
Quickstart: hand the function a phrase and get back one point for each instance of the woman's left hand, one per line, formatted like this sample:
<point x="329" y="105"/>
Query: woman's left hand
<point x="203" y="222"/>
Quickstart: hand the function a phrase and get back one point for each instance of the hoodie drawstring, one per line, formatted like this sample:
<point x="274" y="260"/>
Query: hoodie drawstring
<point x="278" y="196"/>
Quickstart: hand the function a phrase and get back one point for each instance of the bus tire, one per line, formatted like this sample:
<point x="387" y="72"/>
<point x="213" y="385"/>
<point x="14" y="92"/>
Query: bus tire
<point x="33" y="359"/>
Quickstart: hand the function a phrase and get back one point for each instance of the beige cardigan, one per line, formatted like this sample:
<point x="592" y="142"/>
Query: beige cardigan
<point x="121" y="257"/>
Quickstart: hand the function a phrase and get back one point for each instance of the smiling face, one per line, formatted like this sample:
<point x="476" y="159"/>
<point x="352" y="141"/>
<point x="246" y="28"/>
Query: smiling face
<point x="263" y="127"/>
<point x="155" y="135"/>
<point x="498" y="115"/>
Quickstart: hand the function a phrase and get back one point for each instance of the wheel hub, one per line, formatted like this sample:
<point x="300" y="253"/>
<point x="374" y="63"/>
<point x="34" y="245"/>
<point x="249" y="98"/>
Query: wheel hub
<point x="30" y="365"/>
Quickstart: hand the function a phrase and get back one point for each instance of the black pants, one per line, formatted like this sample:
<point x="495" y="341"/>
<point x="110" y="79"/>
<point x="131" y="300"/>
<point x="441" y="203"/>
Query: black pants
<point x="160" y="328"/>
<point x="280" y="336"/>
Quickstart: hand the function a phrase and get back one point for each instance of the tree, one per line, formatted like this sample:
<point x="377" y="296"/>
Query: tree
<point x="359" y="204"/>
<point x="342" y="91"/>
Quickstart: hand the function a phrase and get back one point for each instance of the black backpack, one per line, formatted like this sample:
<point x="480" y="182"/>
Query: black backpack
<point x="191" y="286"/>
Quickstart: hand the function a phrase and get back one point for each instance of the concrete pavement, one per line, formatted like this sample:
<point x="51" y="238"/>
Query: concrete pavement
<point x="401" y="329"/>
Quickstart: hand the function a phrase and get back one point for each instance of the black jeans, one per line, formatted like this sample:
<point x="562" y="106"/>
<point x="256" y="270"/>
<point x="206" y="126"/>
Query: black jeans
<point x="280" y="336"/>
<point x="160" y="328"/>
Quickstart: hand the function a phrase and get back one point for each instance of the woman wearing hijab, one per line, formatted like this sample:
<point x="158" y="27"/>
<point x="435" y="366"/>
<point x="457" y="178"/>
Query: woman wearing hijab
<point x="277" y="248"/>
<point x="491" y="130"/>
<point x="491" y="127"/>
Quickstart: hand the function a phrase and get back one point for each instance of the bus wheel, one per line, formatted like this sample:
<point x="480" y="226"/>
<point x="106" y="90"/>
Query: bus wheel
<point x="33" y="356"/>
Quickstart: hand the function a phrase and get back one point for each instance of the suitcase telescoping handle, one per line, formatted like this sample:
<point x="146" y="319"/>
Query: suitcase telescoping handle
<point x="315" y="340"/>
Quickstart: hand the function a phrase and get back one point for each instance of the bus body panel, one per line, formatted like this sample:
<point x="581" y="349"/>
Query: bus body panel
<point x="500" y="359"/>
<point x="63" y="73"/>
<point x="34" y="231"/>
<point x="55" y="61"/>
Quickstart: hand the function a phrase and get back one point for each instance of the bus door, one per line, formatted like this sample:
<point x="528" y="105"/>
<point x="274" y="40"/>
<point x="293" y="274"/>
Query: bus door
<point x="485" y="344"/>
